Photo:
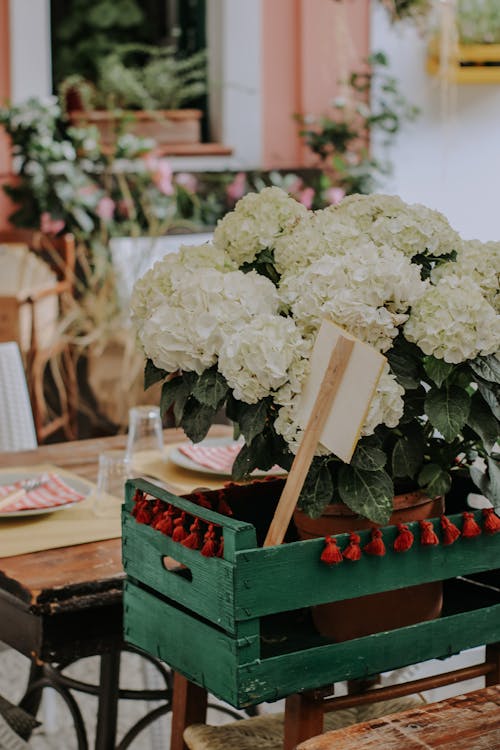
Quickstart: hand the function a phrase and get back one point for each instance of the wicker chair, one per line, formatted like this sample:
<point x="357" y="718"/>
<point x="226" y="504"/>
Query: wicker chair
<point x="30" y="310"/>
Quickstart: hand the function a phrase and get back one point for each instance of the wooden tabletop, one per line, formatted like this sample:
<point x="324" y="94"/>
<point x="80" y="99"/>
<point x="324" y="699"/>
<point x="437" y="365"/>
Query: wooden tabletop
<point x="40" y="578"/>
<point x="464" y="722"/>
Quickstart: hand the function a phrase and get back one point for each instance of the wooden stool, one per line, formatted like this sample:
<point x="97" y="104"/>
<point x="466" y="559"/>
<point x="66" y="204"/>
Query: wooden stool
<point x="470" y="721"/>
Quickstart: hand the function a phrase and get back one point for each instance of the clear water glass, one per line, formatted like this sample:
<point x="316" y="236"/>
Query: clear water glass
<point x="114" y="470"/>
<point x="145" y="432"/>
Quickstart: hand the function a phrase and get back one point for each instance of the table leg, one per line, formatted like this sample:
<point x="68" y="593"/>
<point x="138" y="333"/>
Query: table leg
<point x="303" y="719"/>
<point x="189" y="706"/>
<point x="107" y="712"/>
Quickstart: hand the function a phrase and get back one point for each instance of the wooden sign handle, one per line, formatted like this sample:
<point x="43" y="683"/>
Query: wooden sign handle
<point x="312" y="433"/>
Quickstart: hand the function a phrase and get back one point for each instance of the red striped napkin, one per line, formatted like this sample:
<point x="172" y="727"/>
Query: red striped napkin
<point x="52" y="492"/>
<point x="215" y="457"/>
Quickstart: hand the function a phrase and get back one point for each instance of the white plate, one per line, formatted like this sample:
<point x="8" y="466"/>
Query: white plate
<point x="8" y="477"/>
<point x="180" y="459"/>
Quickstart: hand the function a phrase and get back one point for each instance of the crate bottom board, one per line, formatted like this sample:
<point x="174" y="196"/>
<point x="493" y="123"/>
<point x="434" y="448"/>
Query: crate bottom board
<point x="300" y="660"/>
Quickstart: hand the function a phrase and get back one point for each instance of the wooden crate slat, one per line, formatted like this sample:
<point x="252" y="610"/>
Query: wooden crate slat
<point x="210" y="591"/>
<point x="277" y="579"/>
<point x="202" y="653"/>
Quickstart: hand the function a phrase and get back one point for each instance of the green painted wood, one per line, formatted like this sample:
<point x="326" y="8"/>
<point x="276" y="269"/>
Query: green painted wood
<point x="210" y="590"/>
<point x="204" y="654"/>
<point x="270" y="679"/>
<point x="278" y="579"/>
<point x="230" y="526"/>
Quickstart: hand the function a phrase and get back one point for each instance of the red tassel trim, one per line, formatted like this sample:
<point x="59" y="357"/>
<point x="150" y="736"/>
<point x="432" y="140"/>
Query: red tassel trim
<point x="404" y="539"/>
<point x="223" y="507"/>
<point x="220" y="551"/>
<point x="193" y="540"/>
<point x="163" y="524"/>
<point x="428" y="536"/>
<point x="491" y="522"/>
<point x="179" y="533"/>
<point x="209" y="548"/>
<point x="470" y="528"/>
<point x="331" y="553"/>
<point x="202" y="500"/>
<point x="143" y="513"/>
<point x="376" y="546"/>
<point x="353" y="550"/>
<point x="450" y="531"/>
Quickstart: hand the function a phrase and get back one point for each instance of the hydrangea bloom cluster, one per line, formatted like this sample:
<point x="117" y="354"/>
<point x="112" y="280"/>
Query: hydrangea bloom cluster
<point x="243" y="312"/>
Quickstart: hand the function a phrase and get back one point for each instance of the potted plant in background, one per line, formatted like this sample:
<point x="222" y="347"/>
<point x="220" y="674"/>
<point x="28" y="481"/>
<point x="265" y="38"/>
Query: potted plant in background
<point x="232" y="325"/>
<point x="143" y="90"/>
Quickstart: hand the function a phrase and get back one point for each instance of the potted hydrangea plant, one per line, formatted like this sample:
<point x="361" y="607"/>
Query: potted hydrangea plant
<point x="231" y="324"/>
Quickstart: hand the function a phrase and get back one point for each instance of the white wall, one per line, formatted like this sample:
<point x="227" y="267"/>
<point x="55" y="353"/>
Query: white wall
<point x="30" y="49"/>
<point x="452" y="165"/>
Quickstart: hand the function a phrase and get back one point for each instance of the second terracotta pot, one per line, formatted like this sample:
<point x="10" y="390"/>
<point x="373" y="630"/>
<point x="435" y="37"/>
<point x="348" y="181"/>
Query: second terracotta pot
<point x="354" y="618"/>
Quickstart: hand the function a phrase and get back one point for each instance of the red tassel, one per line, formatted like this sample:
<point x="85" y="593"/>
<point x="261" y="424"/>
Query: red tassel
<point x="138" y="501"/>
<point x="220" y="551"/>
<point x="470" y="528"/>
<point x="193" y="540"/>
<point x="209" y="542"/>
<point x="157" y="510"/>
<point x="179" y="533"/>
<point x="331" y="553"/>
<point x="450" y="531"/>
<point x="223" y="507"/>
<point x="491" y="523"/>
<point x="353" y="550"/>
<point x="202" y="500"/>
<point x="376" y="546"/>
<point x="163" y="524"/>
<point x="428" y="536"/>
<point x="404" y="539"/>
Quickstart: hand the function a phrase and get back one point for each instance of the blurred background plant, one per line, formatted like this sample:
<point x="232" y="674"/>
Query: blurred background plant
<point x="373" y="107"/>
<point x="478" y="21"/>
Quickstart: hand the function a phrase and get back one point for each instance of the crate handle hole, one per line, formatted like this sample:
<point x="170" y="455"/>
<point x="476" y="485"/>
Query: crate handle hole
<point x="174" y="566"/>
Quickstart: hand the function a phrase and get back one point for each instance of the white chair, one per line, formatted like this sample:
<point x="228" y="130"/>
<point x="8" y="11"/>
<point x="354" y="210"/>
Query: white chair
<point x="17" y="427"/>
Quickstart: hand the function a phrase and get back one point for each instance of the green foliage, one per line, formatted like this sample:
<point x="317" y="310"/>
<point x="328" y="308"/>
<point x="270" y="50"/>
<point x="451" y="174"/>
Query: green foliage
<point x="340" y="138"/>
<point x="478" y="21"/>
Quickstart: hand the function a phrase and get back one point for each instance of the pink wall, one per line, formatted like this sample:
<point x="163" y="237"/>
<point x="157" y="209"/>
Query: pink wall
<point x="307" y="46"/>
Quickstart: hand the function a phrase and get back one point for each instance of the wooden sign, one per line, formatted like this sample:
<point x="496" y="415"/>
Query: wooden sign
<point x="333" y="407"/>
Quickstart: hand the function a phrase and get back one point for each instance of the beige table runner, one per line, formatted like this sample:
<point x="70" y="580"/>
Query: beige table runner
<point x="79" y="524"/>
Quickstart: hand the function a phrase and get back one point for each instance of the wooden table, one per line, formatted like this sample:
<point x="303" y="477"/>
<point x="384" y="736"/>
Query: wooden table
<point x="464" y="722"/>
<point x="60" y="605"/>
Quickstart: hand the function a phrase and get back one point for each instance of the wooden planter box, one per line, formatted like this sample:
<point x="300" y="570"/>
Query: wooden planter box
<point x="239" y="625"/>
<point x="474" y="63"/>
<point x="166" y="127"/>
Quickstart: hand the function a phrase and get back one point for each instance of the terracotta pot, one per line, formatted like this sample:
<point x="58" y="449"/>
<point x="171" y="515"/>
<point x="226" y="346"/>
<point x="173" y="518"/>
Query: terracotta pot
<point x="354" y="618"/>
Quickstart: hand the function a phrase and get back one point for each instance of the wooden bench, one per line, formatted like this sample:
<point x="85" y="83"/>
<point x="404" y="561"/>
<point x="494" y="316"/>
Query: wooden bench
<point x="465" y="722"/>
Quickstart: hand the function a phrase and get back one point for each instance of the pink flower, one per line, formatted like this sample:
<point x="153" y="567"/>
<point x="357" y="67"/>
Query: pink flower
<point x="188" y="181"/>
<point x="334" y="195"/>
<point x="105" y="208"/>
<point x="161" y="174"/>
<point x="48" y="225"/>
<point x="306" y="197"/>
<point x="236" y="189"/>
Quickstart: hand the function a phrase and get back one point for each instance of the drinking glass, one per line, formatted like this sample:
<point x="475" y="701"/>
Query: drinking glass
<point x="114" y="470"/>
<point x="145" y="432"/>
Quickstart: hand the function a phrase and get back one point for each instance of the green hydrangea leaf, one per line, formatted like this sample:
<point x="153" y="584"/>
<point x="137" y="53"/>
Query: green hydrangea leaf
<point x="404" y="363"/>
<point x="152" y="374"/>
<point x="317" y="490"/>
<point x="369" y="493"/>
<point x="211" y="388"/>
<point x="252" y="419"/>
<point x="437" y="369"/>
<point x="487" y="479"/>
<point x="175" y="393"/>
<point x="434" y="480"/>
<point x="196" y="419"/>
<point x="407" y="456"/>
<point x="482" y="421"/>
<point x="487" y="367"/>
<point x="368" y="457"/>
<point x="491" y="394"/>
<point x="447" y="409"/>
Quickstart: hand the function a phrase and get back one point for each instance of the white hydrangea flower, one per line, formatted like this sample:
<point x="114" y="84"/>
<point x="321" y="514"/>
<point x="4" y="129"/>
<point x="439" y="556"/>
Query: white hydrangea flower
<point x="255" y="359"/>
<point x="410" y="228"/>
<point x="453" y="321"/>
<point x="182" y="310"/>
<point x="257" y="220"/>
<point x="479" y="261"/>
<point x="367" y="291"/>
<point x="387" y="404"/>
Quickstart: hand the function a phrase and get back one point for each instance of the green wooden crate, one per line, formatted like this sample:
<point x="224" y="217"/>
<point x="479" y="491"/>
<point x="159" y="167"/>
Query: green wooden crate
<point x="238" y="625"/>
